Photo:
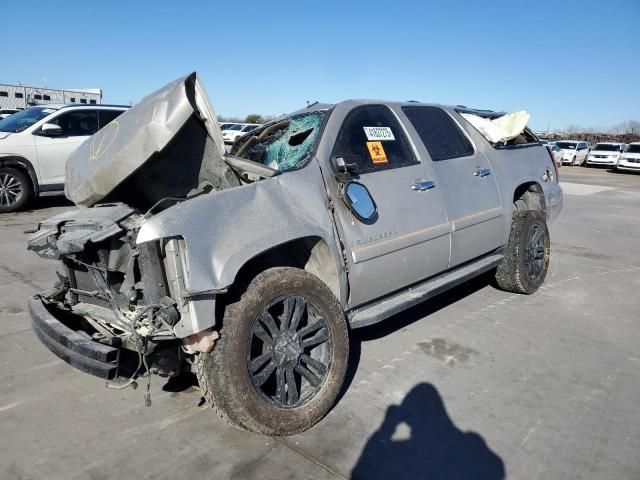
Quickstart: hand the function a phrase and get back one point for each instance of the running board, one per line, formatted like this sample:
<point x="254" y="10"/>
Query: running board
<point x="385" y="308"/>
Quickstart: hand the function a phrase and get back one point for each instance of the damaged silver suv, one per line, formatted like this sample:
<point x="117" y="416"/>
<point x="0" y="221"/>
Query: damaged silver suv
<point x="250" y="268"/>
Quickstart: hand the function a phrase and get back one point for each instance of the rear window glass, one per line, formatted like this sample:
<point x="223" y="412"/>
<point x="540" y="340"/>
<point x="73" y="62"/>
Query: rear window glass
<point x="106" y="116"/>
<point x="439" y="133"/>
<point x="567" y="145"/>
<point x="372" y="139"/>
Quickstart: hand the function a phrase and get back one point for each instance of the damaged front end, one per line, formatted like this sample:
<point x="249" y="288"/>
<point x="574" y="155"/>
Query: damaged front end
<point x="119" y="308"/>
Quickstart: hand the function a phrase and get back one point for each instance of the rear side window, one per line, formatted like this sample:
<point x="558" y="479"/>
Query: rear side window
<point x="106" y="116"/>
<point x="78" y="123"/>
<point x="439" y="133"/>
<point x="372" y="139"/>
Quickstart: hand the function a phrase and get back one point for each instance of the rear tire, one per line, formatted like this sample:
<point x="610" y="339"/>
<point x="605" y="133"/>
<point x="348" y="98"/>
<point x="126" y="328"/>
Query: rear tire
<point x="272" y="371"/>
<point x="15" y="190"/>
<point x="526" y="260"/>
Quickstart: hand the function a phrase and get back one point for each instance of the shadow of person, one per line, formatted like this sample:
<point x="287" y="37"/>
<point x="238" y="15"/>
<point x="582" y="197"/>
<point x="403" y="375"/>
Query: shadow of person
<point x="417" y="439"/>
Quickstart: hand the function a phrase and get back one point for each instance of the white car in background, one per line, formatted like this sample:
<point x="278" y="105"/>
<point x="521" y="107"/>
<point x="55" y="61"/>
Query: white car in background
<point x="630" y="158"/>
<point x="605" y="154"/>
<point x="556" y="153"/>
<point x="574" y="152"/>
<point x="229" y="135"/>
<point x="35" y="144"/>
<point x="5" y="112"/>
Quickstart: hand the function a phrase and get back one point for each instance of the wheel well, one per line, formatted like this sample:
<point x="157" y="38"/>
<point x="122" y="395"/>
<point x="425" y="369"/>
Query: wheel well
<point x="311" y="254"/>
<point x="529" y="196"/>
<point x="25" y="167"/>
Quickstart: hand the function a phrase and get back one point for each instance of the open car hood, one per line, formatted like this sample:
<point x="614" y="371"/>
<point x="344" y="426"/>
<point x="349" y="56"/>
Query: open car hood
<point x="168" y="145"/>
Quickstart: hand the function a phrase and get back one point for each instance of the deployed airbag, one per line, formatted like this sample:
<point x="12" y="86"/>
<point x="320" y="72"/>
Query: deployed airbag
<point x="501" y="129"/>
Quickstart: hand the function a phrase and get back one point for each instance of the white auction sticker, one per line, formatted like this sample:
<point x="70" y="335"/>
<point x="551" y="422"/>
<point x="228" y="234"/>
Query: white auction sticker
<point x="378" y="133"/>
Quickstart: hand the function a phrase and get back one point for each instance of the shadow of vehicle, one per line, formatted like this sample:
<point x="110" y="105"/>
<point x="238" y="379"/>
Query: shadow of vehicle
<point x="403" y="319"/>
<point x="40" y="203"/>
<point x="417" y="439"/>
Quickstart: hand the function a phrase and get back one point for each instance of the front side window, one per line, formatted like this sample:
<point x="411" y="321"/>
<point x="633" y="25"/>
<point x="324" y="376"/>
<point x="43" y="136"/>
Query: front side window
<point x="439" y="133"/>
<point x="284" y="145"/>
<point x="372" y="139"/>
<point x="24" y="119"/>
<point x="78" y="124"/>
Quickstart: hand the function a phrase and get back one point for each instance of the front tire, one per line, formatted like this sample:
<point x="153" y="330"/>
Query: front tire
<point x="282" y="355"/>
<point x="526" y="260"/>
<point x="15" y="190"/>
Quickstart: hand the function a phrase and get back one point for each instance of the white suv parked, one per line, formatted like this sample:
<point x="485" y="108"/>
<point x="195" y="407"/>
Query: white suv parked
<point x="605" y="154"/>
<point x="630" y="159"/>
<point x="35" y="144"/>
<point x="574" y="152"/>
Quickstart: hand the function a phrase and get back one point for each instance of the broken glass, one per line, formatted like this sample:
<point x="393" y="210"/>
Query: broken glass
<point x="285" y="145"/>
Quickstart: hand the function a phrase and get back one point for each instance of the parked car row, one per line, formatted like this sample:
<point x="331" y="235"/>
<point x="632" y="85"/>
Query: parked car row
<point x="620" y="156"/>
<point x="5" y="112"/>
<point x="232" y="131"/>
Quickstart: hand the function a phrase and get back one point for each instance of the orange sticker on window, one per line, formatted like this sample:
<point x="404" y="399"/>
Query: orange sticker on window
<point x="377" y="152"/>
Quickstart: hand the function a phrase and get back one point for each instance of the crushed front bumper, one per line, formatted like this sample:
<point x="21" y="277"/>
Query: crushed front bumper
<point x="77" y="350"/>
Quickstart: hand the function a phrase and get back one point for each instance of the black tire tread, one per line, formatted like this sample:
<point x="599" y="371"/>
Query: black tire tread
<point x="26" y="188"/>
<point x="214" y="380"/>
<point x="509" y="274"/>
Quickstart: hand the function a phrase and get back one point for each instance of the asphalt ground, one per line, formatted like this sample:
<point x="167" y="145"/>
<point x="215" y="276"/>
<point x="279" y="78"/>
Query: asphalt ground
<point x="477" y="383"/>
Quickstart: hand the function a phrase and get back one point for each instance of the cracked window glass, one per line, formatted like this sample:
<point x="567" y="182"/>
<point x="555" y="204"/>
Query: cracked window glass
<point x="284" y="145"/>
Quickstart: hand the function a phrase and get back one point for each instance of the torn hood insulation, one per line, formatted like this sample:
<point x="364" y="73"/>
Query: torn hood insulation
<point x="167" y="145"/>
<point x="500" y="129"/>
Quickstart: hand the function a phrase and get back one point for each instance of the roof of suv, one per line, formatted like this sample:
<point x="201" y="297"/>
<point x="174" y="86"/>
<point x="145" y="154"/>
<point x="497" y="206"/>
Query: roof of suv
<point x="58" y="106"/>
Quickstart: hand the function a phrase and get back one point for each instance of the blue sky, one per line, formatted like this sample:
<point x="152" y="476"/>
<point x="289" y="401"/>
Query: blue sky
<point x="567" y="62"/>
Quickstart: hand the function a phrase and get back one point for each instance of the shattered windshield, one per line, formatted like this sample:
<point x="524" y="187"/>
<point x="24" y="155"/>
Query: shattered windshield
<point x="284" y="145"/>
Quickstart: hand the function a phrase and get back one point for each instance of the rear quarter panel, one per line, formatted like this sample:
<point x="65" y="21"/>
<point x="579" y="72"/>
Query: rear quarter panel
<point x="514" y="166"/>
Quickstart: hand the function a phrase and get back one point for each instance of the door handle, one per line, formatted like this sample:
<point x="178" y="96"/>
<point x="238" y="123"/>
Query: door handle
<point x="482" y="172"/>
<point x="422" y="185"/>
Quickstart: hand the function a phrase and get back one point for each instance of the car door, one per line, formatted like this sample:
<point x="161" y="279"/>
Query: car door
<point x="467" y="183"/>
<point x="408" y="238"/>
<point x="53" y="151"/>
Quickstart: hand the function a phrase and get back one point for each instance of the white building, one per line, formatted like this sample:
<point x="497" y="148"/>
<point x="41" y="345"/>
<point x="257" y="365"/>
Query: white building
<point x="19" y="96"/>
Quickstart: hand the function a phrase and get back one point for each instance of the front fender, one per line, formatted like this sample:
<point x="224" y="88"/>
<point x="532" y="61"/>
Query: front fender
<point x="225" y="229"/>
